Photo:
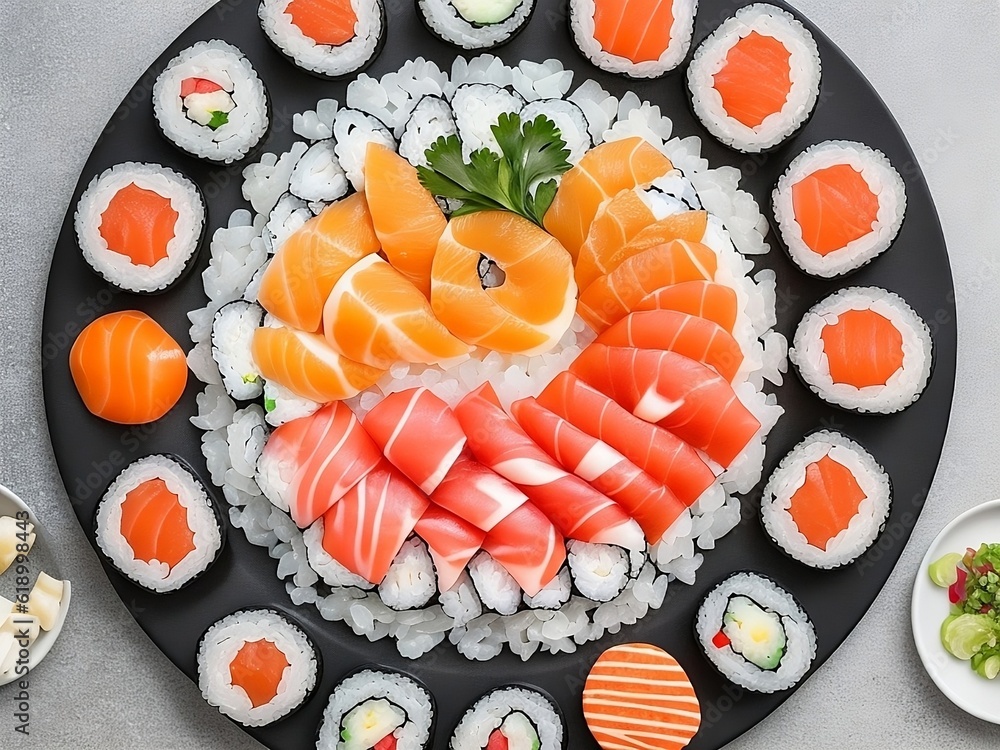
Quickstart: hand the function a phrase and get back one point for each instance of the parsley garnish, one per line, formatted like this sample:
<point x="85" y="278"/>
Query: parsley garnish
<point x="533" y="154"/>
<point x="270" y="405"/>
<point x="218" y="120"/>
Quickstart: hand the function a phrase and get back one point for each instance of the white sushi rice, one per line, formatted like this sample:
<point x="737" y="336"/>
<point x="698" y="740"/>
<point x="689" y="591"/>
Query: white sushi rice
<point x="185" y="199"/>
<point x="902" y="388"/>
<point x="232" y="336"/>
<point x="201" y="519"/>
<point x="582" y="13"/>
<point x="445" y="22"/>
<point x="318" y="176"/>
<point x="862" y="530"/>
<point x="223" y="641"/>
<point x="800" y="647"/>
<point x="488" y="713"/>
<point x="478" y="107"/>
<point x="805" y="71"/>
<point x="226" y="66"/>
<point x="882" y="179"/>
<point x="398" y="689"/>
<point x="548" y="623"/>
<point x="353" y="130"/>
<point x="570" y="121"/>
<point x="332" y="572"/>
<point x="322" y="59"/>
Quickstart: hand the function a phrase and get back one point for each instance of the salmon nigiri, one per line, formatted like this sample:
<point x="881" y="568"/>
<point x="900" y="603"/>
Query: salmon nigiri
<point x="696" y="338"/>
<point x="612" y="297"/>
<point x="305" y="269"/>
<point x="677" y="393"/>
<point x="127" y="369"/>
<point x="407" y="219"/>
<point x="600" y="175"/>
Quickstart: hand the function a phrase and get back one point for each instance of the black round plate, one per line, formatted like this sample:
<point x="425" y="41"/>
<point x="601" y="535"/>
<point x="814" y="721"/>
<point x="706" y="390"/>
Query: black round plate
<point x="91" y="452"/>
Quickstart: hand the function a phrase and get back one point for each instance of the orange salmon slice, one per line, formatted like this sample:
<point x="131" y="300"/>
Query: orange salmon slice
<point x="755" y="80"/>
<point x="257" y="668"/>
<point x="638" y="30"/>
<point x="863" y="348"/>
<point x="833" y="207"/>
<point x="139" y="224"/>
<point x="155" y="524"/>
<point x="324" y="21"/>
<point x="825" y="504"/>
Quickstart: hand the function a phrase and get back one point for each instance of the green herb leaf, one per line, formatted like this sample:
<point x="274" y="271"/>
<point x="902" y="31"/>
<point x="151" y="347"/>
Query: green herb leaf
<point x="218" y="120"/>
<point x="519" y="179"/>
<point x="270" y="405"/>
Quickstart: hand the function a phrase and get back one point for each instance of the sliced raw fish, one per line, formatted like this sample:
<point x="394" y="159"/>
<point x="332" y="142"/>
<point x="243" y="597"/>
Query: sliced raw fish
<point x="477" y="494"/>
<point x="529" y="547"/>
<point x="661" y="454"/>
<point x="679" y="394"/>
<point x="706" y="299"/>
<point x="418" y="433"/>
<point x="452" y="543"/>
<point x="367" y="527"/>
<point x="577" y="509"/>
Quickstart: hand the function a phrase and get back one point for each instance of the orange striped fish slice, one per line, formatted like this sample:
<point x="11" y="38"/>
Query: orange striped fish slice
<point x="601" y="174"/>
<point x="311" y="261"/>
<point x="637" y="697"/>
<point x="689" y="226"/>
<point x="612" y="297"/>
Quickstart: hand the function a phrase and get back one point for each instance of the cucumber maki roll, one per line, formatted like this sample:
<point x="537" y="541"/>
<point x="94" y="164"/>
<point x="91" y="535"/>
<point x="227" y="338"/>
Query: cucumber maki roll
<point x="476" y="24"/>
<point x="377" y="708"/>
<point x="514" y="717"/>
<point x="756" y="634"/>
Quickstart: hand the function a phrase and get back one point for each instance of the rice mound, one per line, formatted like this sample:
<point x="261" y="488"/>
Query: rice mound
<point x="241" y="249"/>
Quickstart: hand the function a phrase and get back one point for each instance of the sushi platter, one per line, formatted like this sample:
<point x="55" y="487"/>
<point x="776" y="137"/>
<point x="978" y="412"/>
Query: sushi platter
<point x="432" y="369"/>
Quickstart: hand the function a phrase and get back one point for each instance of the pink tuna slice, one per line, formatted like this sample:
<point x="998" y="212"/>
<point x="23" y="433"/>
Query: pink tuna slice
<point x="452" y="543"/>
<point x="418" y="433"/>
<point x="477" y="494"/>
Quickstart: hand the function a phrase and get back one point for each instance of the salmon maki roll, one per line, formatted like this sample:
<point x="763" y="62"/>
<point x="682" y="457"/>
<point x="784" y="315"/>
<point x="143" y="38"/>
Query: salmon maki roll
<point x="827" y="502"/>
<point x="328" y="38"/>
<point x="257" y="666"/>
<point x="139" y="226"/>
<point x="157" y="524"/>
<point x="636" y="38"/>
<point x="864" y="349"/>
<point x="838" y="206"/>
<point x="755" y="80"/>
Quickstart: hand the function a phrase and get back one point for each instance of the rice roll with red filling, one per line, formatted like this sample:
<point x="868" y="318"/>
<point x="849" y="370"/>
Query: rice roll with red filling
<point x="864" y="349"/>
<point x="256" y="666"/>
<point x="210" y="102"/>
<point x="475" y="24"/>
<point x="139" y="226"/>
<point x="827" y="501"/>
<point x="755" y="81"/>
<point x="158" y="525"/>
<point x="838" y="206"/>
<point x="377" y="709"/>
<point x="637" y="38"/>
<point x="755" y="633"/>
<point x="510" y="718"/>
<point x="329" y="38"/>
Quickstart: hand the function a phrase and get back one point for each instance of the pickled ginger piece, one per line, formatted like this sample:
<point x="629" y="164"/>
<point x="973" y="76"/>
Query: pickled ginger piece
<point x="13" y="533"/>
<point x="44" y="599"/>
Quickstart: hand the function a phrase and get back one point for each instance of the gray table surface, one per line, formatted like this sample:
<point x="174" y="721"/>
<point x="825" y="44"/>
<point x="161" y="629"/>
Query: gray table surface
<point x="64" y="67"/>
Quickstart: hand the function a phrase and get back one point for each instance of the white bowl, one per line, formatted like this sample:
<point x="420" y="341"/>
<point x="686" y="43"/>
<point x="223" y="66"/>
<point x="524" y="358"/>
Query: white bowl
<point x="929" y="608"/>
<point x="10" y="505"/>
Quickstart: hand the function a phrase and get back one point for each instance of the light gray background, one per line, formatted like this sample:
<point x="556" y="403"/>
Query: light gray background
<point x="65" y="66"/>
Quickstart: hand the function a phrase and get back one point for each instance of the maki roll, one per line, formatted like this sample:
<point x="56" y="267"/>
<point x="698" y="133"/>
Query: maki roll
<point x="838" y="206"/>
<point x="232" y="335"/>
<point x="353" y="130"/>
<point x="755" y="633"/>
<point x="140" y="225"/>
<point x="511" y="717"/>
<point x="636" y="39"/>
<point x="637" y="696"/>
<point x="431" y="120"/>
<point x="377" y="708"/>
<point x="568" y="118"/>
<point x="755" y="80"/>
<point x="256" y="666"/>
<point x="475" y="24"/>
<point x="600" y="572"/>
<point x="158" y="525"/>
<point x="497" y="589"/>
<point x="864" y="349"/>
<point x="477" y="108"/>
<point x="410" y="582"/>
<point x="316" y="177"/>
<point x="210" y="103"/>
<point x="328" y="38"/>
<point x="827" y="501"/>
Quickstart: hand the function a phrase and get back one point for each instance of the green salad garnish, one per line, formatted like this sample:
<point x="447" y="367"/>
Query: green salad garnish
<point x="218" y="120"/>
<point x="972" y="630"/>
<point x="520" y="179"/>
